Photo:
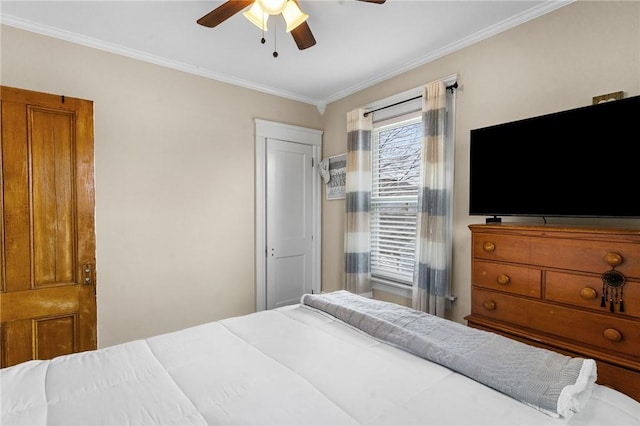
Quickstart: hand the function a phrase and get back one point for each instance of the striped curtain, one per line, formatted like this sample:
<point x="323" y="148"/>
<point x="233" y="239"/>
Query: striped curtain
<point x="357" y="245"/>
<point x="432" y="274"/>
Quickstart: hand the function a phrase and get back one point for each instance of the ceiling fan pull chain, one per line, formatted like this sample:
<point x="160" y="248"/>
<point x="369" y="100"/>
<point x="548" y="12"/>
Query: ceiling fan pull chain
<point x="263" y="40"/>
<point x="275" y="40"/>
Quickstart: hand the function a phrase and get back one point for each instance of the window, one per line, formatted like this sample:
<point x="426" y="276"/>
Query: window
<point x="396" y="150"/>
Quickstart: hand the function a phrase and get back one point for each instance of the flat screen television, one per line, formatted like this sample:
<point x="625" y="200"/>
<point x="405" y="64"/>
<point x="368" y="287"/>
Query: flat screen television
<point x="582" y="162"/>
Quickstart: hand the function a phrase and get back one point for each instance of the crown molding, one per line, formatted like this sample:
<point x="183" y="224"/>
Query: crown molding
<point x="321" y="104"/>
<point x="45" y="30"/>
<point x="507" y="24"/>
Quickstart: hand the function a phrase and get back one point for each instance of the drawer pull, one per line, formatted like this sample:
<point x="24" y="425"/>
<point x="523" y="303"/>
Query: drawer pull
<point x="488" y="246"/>
<point x="588" y="293"/>
<point x="613" y="259"/>
<point x="503" y="279"/>
<point x="612" y="335"/>
<point x="489" y="305"/>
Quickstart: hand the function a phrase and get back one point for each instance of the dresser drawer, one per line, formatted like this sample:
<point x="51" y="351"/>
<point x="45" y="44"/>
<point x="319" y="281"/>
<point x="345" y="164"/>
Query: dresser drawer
<point x="508" y="278"/>
<point x="510" y="248"/>
<point x="621" y="379"/>
<point x="584" y="252"/>
<point x="596" y="330"/>
<point x="586" y="291"/>
<point x="625" y="380"/>
<point x="586" y="255"/>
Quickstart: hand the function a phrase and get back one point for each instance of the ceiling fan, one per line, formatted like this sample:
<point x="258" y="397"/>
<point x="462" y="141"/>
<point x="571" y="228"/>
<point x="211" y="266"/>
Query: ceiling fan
<point x="260" y="11"/>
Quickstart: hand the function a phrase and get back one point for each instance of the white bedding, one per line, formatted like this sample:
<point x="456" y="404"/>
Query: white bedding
<point x="289" y="366"/>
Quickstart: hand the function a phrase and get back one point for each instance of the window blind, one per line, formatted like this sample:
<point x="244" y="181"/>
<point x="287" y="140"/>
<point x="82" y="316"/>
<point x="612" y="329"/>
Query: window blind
<point x="395" y="175"/>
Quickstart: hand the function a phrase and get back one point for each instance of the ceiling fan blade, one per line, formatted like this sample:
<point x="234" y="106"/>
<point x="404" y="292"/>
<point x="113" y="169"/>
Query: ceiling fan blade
<point x="302" y="34"/>
<point x="303" y="37"/>
<point x="223" y="12"/>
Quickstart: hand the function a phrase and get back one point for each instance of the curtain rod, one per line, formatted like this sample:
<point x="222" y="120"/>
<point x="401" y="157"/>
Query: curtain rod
<point x="452" y="88"/>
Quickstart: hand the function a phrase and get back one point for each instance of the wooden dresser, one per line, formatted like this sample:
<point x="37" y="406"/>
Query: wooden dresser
<point x="544" y="285"/>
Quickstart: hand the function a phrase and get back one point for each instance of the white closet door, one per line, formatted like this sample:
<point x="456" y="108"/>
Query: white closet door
<point x="289" y="211"/>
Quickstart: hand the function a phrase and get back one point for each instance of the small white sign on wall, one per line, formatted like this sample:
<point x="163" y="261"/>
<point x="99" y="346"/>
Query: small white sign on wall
<point x="335" y="188"/>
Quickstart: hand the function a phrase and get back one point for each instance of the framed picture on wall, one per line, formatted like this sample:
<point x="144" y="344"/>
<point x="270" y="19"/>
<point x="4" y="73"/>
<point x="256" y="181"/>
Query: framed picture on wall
<point x="608" y="97"/>
<point x="335" y="188"/>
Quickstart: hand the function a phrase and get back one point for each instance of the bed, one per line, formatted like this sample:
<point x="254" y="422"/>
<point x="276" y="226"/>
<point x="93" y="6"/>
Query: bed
<point x="333" y="359"/>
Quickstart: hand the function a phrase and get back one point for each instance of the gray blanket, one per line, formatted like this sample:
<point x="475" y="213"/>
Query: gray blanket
<point x="556" y="384"/>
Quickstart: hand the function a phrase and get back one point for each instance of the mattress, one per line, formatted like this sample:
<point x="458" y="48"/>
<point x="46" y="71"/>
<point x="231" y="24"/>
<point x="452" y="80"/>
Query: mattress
<point x="294" y="365"/>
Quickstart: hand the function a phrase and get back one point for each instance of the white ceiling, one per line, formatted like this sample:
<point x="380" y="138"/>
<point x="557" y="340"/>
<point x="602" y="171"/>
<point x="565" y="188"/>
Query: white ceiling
<point x="358" y="44"/>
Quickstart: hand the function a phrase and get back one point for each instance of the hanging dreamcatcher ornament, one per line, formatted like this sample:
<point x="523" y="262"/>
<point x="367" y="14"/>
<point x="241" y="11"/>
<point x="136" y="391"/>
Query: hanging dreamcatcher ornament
<point x="612" y="285"/>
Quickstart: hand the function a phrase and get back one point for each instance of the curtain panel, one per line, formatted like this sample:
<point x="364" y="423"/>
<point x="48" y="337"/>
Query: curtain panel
<point x="357" y="244"/>
<point x="432" y="273"/>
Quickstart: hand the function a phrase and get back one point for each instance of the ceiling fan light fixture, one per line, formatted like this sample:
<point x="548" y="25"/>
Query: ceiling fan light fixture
<point x="293" y="16"/>
<point x="272" y="7"/>
<point x="257" y="16"/>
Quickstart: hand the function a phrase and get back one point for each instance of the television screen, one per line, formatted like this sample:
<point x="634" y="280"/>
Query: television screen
<point x="577" y="163"/>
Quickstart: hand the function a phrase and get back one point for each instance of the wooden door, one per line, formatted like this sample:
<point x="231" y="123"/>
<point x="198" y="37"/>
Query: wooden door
<point x="47" y="232"/>
<point x="289" y="222"/>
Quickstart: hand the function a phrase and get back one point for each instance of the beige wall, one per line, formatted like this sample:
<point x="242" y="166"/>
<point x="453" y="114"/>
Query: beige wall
<point x="175" y="153"/>
<point x="174" y="156"/>
<point x="555" y="62"/>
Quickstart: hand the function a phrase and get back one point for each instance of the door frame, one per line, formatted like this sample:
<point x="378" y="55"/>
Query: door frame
<point x="273" y="130"/>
